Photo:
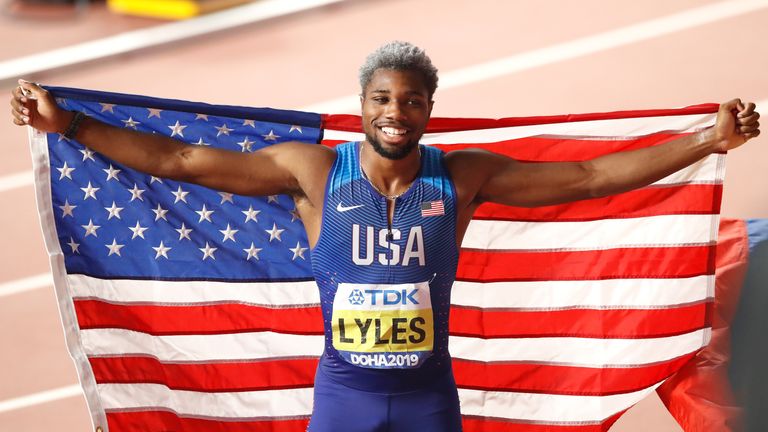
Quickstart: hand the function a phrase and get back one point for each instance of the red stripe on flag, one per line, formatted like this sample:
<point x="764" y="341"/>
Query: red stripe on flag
<point x="652" y="201"/>
<point x="565" y="380"/>
<point x="194" y="319"/>
<point x="662" y="262"/>
<point x="228" y="376"/>
<point x="588" y="323"/>
<point x="153" y="421"/>
<point x="485" y="424"/>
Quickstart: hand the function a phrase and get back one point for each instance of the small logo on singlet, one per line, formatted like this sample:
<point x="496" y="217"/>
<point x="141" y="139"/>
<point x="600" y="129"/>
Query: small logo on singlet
<point x="341" y="208"/>
<point x="356" y="297"/>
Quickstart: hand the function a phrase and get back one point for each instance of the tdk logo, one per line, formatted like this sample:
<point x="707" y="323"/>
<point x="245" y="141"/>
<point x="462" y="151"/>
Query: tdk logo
<point x="390" y="297"/>
<point x="356" y="297"/>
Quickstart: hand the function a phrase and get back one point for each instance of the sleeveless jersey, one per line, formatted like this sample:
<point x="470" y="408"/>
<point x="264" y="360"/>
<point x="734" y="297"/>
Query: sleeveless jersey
<point x="385" y="290"/>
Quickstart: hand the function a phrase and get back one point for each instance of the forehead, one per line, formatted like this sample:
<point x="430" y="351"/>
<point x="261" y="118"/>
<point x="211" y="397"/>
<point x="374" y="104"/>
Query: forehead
<point x="397" y="81"/>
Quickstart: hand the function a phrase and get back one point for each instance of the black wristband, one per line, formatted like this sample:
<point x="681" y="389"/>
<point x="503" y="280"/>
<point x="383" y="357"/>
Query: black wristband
<point x="74" y="125"/>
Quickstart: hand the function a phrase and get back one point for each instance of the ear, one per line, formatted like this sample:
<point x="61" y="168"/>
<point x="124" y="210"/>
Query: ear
<point x="362" y="100"/>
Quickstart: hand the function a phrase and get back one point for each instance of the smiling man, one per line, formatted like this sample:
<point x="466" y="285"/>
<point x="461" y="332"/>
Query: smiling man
<point x="385" y="218"/>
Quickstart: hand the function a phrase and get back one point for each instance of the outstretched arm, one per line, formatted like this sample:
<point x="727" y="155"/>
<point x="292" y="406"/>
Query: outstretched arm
<point x="506" y="181"/>
<point x="272" y="170"/>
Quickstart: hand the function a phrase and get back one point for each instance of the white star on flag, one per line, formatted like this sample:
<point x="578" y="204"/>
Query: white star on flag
<point x="161" y="251"/>
<point x="160" y="213"/>
<point x="63" y="138"/>
<point x="250" y="214"/>
<point x="153" y="179"/>
<point x="274" y="233"/>
<point x="114" y="248"/>
<point x="200" y="142"/>
<point x="298" y="251"/>
<point x="271" y="136"/>
<point x="295" y="128"/>
<point x="245" y="144"/>
<point x="138" y="230"/>
<point x="136" y="193"/>
<point x="106" y="107"/>
<point x="154" y="112"/>
<point x="73" y="245"/>
<point x="251" y="123"/>
<point x="177" y="129"/>
<point x="184" y="232"/>
<point x="226" y="197"/>
<point x="67" y="209"/>
<point x="229" y="234"/>
<point x="87" y="154"/>
<point x="66" y="171"/>
<point x="223" y="130"/>
<point x="272" y="199"/>
<point x="180" y="195"/>
<point x="90" y="191"/>
<point x="130" y="123"/>
<point x="208" y="251"/>
<point x="113" y="211"/>
<point x="252" y="252"/>
<point x="205" y="214"/>
<point x="112" y="173"/>
<point x="201" y="117"/>
<point x="295" y="214"/>
<point x="90" y="229"/>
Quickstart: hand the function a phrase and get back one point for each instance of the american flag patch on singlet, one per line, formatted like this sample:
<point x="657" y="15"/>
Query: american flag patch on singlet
<point x="432" y="208"/>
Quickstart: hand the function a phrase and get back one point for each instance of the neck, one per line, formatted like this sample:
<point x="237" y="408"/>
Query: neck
<point x="390" y="177"/>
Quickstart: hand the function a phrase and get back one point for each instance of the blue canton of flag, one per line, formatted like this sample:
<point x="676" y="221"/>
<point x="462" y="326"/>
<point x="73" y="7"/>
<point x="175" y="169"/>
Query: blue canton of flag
<point x="113" y="221"/>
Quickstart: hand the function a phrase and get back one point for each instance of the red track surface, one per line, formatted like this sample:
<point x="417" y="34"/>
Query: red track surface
<point x="313" y="57"/>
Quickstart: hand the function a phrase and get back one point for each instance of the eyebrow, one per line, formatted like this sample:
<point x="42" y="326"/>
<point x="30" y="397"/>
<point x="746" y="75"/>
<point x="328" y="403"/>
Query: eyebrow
<point x="409" y="92"/>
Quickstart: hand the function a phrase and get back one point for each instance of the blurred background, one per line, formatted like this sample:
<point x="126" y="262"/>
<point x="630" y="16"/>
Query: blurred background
<point x="497" y="58"/>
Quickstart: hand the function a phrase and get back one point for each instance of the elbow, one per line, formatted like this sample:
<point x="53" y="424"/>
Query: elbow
<point x="594" y="184"/>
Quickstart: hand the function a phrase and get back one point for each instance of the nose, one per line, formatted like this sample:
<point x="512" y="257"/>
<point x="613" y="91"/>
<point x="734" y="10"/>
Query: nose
<point x="394" y="110"/>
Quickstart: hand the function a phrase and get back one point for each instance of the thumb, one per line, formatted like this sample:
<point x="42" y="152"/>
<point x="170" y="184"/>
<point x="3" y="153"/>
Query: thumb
<point x="30" y="89"/>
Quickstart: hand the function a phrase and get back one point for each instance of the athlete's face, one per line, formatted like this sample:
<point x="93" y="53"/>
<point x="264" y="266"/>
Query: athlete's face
<point x="396" y="107"/>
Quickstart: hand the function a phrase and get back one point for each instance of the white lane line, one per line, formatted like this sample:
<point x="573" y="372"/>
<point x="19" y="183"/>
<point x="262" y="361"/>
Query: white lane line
<point x="576" y="48"/>
<point x="17" y="180"/>
<point x="26" y="284"/>
<point x="40" y="398"/>
<point x="154" y="36"/>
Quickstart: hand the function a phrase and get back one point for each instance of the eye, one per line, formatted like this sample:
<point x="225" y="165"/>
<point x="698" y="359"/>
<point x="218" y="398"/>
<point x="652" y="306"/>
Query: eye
<point x="380" y="99"/>
<point x="414" y="102"/>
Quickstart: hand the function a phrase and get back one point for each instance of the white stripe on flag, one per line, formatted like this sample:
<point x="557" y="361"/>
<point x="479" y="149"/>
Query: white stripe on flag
<point x="152" y="291"/>
<point x="237" y="346"/>
<point x="609" y="129"/>
<point x="251" y="404"/>
<point x="591" y="293"/>
<point x="579" y="351"/>
<point x="547" y="408"/>
<point x="674" y="230"/>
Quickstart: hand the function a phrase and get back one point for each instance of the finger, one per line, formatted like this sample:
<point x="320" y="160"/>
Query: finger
<point x="749" y="128"/>
<point x="747" y="110"/>
<point x="752" y="134"/>
<point x="749" y="119"/>
<point x="20" y="117"/>
<point x="18" y="122"/>
<point x="18" y="106"/>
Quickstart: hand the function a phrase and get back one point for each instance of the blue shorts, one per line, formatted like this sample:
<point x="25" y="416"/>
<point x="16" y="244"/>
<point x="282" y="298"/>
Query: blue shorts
<point x="338" y="408"/>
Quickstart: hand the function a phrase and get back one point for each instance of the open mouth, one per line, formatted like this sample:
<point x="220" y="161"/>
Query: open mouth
<point x="393" y="135"/>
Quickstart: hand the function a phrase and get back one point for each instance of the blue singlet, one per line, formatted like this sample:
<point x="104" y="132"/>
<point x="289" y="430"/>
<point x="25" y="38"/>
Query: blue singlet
<point x="385" y="298"/>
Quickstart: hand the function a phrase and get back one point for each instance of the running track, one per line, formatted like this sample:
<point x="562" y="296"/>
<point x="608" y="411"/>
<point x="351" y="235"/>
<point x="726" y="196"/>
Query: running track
<point x="497" y="58"/>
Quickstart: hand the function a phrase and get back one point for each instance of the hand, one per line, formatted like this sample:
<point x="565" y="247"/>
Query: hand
<point x="736" y="124"/>
<point x="38" y="109"/>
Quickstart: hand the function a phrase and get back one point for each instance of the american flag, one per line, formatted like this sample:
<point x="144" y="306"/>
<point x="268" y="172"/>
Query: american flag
<point x="191" y="309"/>
<point x="432" y="208"/>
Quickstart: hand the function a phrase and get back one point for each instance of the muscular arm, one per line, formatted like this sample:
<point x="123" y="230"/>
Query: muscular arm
<point x="282" y="168"/>
<point x="490" y="177"/>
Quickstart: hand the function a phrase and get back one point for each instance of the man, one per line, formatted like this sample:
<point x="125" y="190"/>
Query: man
<point x="385" y="218"/>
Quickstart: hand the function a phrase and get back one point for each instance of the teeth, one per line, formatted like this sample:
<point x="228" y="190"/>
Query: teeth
<point x="393" y="131"/>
